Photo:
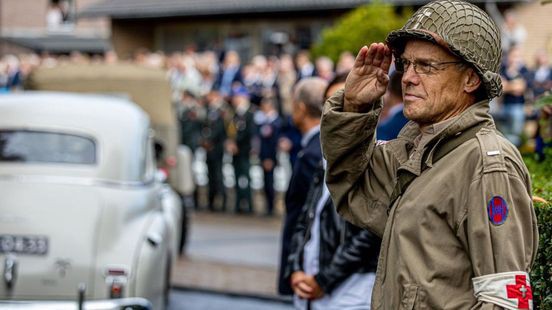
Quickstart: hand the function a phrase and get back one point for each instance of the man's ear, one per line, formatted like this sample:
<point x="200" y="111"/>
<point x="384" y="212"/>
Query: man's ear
<point x="471" y="81"/>
<point x="302" y="107"/>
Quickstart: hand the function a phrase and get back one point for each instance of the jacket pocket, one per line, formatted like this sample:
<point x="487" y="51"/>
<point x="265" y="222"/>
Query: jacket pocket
<point x="413" y="298"/>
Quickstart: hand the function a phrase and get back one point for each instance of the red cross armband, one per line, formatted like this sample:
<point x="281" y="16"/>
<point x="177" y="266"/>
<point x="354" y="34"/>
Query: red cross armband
<point x="510" y="290"/>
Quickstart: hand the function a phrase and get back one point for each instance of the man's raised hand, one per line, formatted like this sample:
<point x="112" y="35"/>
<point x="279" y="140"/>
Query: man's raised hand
<point x="368" y="79"/>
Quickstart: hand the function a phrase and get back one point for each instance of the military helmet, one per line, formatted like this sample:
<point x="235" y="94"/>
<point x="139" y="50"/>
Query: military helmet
<point x="463" y="29"/>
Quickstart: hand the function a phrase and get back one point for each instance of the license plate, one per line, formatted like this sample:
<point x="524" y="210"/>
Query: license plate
<point x="31" y="245"/>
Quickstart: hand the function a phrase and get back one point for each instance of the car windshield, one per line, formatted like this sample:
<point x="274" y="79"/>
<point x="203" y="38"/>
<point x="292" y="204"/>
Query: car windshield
<point x="46" y="147"/>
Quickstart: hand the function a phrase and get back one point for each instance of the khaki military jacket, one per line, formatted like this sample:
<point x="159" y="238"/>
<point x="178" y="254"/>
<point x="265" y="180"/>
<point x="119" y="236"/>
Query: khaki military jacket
<point x="437" y="235"/>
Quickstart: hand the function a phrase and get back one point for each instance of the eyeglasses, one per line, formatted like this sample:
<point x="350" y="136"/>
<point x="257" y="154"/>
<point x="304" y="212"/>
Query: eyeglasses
<point x="421" y="66"/>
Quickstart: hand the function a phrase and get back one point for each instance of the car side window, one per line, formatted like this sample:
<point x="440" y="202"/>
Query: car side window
<point x="46" y="147"/>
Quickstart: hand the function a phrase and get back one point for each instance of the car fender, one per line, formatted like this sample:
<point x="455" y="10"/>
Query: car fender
<point x="151" y="264"/>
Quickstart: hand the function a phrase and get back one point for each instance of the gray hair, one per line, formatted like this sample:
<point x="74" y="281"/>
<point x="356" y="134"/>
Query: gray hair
<point x="310" y="91"/>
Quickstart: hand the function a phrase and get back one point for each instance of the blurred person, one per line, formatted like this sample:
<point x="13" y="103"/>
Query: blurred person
<point x="76" y="57"/>
<point x="541" y="76"/>
<point x="28" y="62"/>
<point x="269" y="125"/>
<point x="14" y="80"/>
<point x="269" y="78"/>
<point x="208" y="60"/>
<point x="156" y="60"/>
<point x="392" y="118"/>
<point x="290" y="139"/>
<point x="54" y="16"/>
<point x="305" y="67"/>
<point x="111" y="57"/>
<point x="286" y="79"/>
<point x="140" y="56"/>
<point x="450" y="197"/>
<point x="174" y="74"/>
<point x="229" y="75"/>
<point x="48" y="61"/>
<point x="188" y="79"/>
<point x="332" y="263"/>
<point x="213" y="137"/>
<point x="512" y="31"/>
<point x="240" y="134"/>
<point x="325" y="68"/>
<point x="543" y="137"/>
<point x="191" y="115"/>
<point x="308" y="98"/>
<point x="252" y="81"/>
<point x="345" y="63"/>
<point x="3" y="77"/>
<point x="207" y="78"/>
<point x="514" y="80"/>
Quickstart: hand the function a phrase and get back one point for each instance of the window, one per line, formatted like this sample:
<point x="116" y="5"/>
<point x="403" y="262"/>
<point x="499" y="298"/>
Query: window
<point x="46" y="147"/>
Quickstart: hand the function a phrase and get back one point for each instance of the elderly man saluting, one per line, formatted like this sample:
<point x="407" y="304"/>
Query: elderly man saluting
<point x="450" y="196"/>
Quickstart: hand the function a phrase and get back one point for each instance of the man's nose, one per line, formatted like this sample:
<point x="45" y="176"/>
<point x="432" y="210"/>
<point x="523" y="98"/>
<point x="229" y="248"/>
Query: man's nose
<point x="410" y="76"/>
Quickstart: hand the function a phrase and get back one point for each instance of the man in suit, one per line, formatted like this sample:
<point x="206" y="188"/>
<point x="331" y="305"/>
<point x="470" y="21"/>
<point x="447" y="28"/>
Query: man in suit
<point x="308" y="99"/>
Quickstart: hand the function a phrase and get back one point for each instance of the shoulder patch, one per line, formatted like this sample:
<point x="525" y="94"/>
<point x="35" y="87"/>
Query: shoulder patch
<point x="497" y="209"/>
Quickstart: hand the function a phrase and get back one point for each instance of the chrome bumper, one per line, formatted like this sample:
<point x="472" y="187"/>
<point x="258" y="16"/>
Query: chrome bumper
<point x="109" y="304"/>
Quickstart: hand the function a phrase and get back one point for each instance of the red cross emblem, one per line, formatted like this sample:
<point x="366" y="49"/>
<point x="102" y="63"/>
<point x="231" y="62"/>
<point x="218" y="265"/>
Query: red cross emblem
<point x="520" y="291"/>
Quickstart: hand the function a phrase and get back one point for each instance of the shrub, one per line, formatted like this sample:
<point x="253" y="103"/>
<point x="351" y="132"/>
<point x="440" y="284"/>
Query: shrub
<point x="541" y="274"/>
<point x="362" y="26"/>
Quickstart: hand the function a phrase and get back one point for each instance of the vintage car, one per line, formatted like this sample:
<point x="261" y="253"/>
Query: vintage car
<point x="82" y="206"/>
<point x="150" y="89"/>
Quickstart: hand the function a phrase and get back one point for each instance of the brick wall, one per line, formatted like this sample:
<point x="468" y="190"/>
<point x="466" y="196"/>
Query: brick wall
<point x="20" y="16"/>
<point x="537" y="19"/>
<point x="23" y="14"/>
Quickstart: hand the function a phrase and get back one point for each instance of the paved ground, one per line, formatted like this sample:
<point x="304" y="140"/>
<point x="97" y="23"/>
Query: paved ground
<point x="231" y="254"/>
<point x="197" y="300"/>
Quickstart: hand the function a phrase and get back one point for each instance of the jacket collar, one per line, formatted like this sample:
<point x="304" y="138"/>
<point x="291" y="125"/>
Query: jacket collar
<point x="474" y="115"/>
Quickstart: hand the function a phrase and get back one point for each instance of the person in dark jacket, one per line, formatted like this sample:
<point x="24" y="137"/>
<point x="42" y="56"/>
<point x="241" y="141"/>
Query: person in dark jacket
<point x="269" y="125"/>
<point x="213" y="136"/>
<point x="392" y="118"/>
<point x="332" y="263"/>
<point x="308" y="98"/>
<point x="240" y="133"/>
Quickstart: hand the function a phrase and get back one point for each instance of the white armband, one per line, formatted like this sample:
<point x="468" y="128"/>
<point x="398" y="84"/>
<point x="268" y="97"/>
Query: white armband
<point x="510" y="290"/>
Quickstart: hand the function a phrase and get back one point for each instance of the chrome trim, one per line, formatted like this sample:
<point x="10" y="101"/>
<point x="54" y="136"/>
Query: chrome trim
<point x="10" y="271"/>
<point x="134" y="303"/>
<point x="75" y="180"/>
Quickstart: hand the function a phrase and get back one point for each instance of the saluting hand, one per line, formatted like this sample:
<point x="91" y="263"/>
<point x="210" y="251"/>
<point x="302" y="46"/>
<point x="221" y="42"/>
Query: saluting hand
<point x="368" y="79"/>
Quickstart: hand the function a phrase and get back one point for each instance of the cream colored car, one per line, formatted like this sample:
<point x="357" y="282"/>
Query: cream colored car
<point x="81" y="206"/>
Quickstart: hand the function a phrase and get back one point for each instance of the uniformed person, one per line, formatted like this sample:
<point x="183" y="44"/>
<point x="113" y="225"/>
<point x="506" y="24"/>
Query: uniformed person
<point x="213" y="136"/>
<point x="450" y="196"/>
<point x="240" y="133"/>
<point x="190" y="116"/>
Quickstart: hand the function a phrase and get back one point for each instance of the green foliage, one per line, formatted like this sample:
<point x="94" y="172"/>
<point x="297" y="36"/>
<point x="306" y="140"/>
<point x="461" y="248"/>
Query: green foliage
<point x="362" y="26"/>
<point x="544" y="100"/>
<point x="541" y="275"/>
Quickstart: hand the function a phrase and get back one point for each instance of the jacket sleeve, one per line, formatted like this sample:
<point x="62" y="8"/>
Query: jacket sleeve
<point x="360" y="174"/>
<point x="299" y="237"/>
<point x="360" y="249"/>
<point x="499" y="226"/>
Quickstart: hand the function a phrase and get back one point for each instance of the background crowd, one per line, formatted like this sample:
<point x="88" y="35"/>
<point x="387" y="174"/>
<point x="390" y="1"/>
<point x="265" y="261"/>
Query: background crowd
<point x="241" y="111"/>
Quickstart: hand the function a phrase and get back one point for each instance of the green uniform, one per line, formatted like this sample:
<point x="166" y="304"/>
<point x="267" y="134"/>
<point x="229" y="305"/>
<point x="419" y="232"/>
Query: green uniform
<point x="438" y="235"/>
<point x="244" y="129"/>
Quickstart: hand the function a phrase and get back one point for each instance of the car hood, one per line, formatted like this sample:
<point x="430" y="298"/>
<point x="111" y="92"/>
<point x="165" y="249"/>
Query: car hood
<point x="65" y="218"/>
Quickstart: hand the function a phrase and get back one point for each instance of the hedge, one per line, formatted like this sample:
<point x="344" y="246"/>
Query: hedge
<point x="541" y="274"/>
<point x="364" y="25"/>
